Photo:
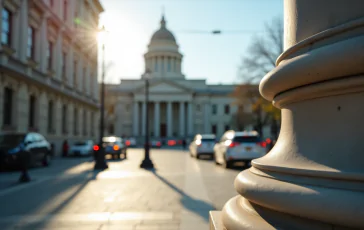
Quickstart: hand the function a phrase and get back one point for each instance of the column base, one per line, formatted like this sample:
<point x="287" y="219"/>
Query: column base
<point x="147" y="164"/>
<point x="216" y="221"/>
<point x="240" y="213"/>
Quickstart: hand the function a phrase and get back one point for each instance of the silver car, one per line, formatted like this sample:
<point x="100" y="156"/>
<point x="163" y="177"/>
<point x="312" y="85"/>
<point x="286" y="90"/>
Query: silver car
<point x="202" y="144"/>
<point x="239" y="147"/>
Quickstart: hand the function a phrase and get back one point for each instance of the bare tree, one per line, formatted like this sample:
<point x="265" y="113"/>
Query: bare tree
<point x="260" y="58"/>
<point x="262" y="53"/>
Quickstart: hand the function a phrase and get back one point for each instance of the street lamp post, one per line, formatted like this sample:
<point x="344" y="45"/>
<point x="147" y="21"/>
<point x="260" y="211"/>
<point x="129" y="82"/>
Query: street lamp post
<point x="147" y="162"/>
<point x="100" y="162"/>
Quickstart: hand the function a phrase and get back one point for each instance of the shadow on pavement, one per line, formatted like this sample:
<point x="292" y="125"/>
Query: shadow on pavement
<point x="199" y="207"/>
<point x="51" y="197"/>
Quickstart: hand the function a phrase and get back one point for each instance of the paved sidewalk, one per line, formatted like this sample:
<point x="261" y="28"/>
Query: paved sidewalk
<point x="172" y="197"/>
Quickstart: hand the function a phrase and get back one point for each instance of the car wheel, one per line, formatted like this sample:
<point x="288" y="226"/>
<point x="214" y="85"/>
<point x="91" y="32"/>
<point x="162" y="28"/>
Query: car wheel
<point x="46" y="160"/>
<point x="117" y="156"/>
<point x="125" y="154"/>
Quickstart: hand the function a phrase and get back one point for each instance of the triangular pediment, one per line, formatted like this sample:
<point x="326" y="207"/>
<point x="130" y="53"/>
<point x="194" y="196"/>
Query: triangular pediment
<point x="165" y="86"/>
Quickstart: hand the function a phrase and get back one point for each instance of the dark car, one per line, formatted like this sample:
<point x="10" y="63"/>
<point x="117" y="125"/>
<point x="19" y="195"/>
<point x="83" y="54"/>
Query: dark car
<point x="113" y="146"/>
<point x="15" y="148"/>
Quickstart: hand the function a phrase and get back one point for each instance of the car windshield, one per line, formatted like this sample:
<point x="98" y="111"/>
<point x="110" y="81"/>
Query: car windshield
<point x="11" y="139"/>
<point x="247" y="139"/>
<point x="208" y="140"/>
<point x="80" y="143"/>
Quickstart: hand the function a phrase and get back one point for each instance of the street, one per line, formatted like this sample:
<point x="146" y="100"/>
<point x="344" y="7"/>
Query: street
<point x="70" y="195"/>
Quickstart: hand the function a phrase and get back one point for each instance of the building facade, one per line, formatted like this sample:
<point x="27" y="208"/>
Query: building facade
<point x="48" y="77"/>
<point x="178" y="107"/>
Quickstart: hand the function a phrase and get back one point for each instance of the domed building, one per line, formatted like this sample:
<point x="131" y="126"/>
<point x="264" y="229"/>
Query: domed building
<point x="178" y="107"/>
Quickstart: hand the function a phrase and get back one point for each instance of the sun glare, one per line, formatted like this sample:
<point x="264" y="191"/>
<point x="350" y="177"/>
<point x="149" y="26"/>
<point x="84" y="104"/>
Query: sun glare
<point x="101" y="37"/>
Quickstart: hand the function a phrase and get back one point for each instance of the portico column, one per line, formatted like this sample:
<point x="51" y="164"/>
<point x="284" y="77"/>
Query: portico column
<point x="144" y="115"/>
<point x="313" y="178"/>
<point x="169" y="119"/>
<point x="182" y="119"/>
<point x="136" y="119"/>
<point x="157" y="119"/>
<point x="189" y="119"/>
<point x="206" y="115"/>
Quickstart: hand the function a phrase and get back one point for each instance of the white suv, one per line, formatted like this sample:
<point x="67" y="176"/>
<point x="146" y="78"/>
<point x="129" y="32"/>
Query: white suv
<point x="239" y="147"/>
<point x="202" y="145"/>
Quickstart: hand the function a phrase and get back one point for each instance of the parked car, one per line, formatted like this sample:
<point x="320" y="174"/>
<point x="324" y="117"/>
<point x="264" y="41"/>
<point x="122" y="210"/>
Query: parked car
<point x="82" y="148"/>
<point x="202" y="144"/>
<point x="130" y="142"/>
<point x="239" y="147"/>
<point x="113" y="146"/>
<point x="156" y="144"/>
<point x="15" y="146"/>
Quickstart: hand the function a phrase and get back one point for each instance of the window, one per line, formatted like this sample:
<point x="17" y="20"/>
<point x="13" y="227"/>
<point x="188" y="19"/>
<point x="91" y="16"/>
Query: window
<point x="50" y="117"/>
<point x="111" y="129"/>
<point x="198" y="108"/>
<point x="31" y="115"/>
<point x="65" y="5"/>
<point x="214" y="129"/>
<point x="63" y="64"/>
<point x="227" y="109"/>
<point x="169" y="64"/>
<point x="247" y="139"/>
<point x="241" y="109"/>
<point x="214" y="109"/>
<point x="84" y="79"/>
<point x="49" y="55"/>
<point x="8" y="106"/>
<point x="75" y="67"/>
<point x="84" y="120"/>
<point x="6" y="27"/>
<point x="75" y="122"/>
<point x="227" y="127"/>
<point x="31" y="43"/>
<point x="175" y="65"/>
<point x="64" y="119"/>
<point x="92" y="124"/>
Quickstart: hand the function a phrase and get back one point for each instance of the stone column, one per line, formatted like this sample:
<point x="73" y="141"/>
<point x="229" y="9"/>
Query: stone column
<point x="314" y="175"/>
<point x="58" y="56"/>
<point x="182" y="119"/>
<point x="43" y="45"/>
<point x="207" y="113"/>
<point x="169" y="119"/>
<point x="23" y="30"/>
<point x="159" y="61"/>
<point x="144" y="115"/>
<point x="136" y="119"/>
<point x="190" y="120"/>
<point x="157" y="119"/>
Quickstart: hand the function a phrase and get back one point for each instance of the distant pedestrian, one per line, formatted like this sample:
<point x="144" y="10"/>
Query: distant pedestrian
<point x="184" y="144"/>
<point x="65" y="148"/>
<point x="24" y="159"/>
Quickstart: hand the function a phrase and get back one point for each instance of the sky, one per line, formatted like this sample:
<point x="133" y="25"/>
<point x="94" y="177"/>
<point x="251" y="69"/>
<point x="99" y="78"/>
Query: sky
<point x="216" y="58"/>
